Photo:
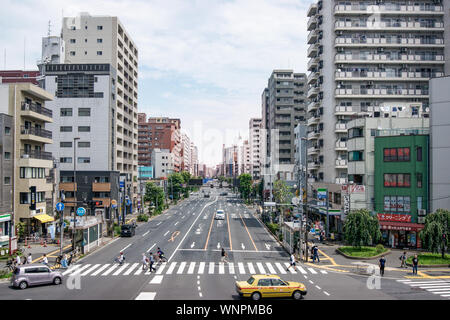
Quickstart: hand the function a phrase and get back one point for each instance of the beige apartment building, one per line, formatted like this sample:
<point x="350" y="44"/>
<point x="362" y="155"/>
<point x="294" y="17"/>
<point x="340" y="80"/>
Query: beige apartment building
<point x="25" y="103"/>
<point x="103" y="39"/>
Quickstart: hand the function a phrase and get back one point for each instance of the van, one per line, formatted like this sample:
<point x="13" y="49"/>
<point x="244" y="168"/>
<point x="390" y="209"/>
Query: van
<point x="34" y="274"/>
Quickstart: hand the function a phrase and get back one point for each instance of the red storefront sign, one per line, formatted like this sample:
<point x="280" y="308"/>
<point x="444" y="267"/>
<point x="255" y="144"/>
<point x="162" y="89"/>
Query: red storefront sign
<point x="394" y="217"/>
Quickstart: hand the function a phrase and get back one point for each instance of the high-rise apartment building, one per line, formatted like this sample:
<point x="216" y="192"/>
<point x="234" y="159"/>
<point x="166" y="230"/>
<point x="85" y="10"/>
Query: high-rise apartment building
<point x="255" y="131"/>
<point x="159" y="133"/>
<point x="367" y="59"/>
<point x="185" y="153"/>
<point x="99" y="40"/>
<point x="194" y="160"/>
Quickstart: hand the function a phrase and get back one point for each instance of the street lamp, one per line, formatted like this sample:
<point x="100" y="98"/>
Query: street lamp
<point x="74" y="190"/>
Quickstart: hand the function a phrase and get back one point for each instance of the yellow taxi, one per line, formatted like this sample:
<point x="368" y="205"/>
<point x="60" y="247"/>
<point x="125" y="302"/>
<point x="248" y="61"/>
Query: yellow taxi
<point x="269" y="286"/>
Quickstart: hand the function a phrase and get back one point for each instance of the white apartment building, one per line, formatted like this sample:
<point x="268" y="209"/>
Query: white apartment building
<point x="103" y="39"/>
<point x="363" y="56"/>
<point x="162" y="162"/>
<point x="186" y="152"/>
<point x="194" y="160"/>
<point x="255" y="140"/>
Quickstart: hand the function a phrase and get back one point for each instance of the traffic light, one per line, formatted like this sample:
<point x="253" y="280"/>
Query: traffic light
<point x="33" y="198"/>
<point x="94" y="204"/>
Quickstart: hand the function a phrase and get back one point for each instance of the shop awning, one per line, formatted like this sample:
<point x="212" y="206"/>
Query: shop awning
<point x="401" y="226"/>
<point x="44" y="218"/>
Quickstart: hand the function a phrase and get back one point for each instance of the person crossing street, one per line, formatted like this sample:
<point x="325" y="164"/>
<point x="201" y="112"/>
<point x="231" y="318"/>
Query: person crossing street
<point x="151" y="261"/>
<point x="144" y="261"/>
<point x="292" y="262"/>
<point x="224" y="256"/>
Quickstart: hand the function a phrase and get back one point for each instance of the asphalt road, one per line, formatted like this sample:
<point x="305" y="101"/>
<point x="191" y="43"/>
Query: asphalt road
<point x="192" y="240"/>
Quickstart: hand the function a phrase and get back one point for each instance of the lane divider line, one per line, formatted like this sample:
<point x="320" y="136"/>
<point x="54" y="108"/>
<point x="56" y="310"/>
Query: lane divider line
<point x="254" y="245"/>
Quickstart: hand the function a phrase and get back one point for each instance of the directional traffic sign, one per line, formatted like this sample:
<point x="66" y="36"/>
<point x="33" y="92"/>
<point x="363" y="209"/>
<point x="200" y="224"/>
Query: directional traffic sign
<point x="114" y="203"/>
<point x="122" y="184"/>
<point x="128" y="202"/>
<point x="60" y="206"/>
<point x="81" y="211"/>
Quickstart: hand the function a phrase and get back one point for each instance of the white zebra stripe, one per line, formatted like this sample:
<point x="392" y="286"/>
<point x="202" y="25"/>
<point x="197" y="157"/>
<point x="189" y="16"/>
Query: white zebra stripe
<point x="312" y="270"/>
<point x="250" y="268"/>
<point x="100" y="270"/>
<point x="90" y="270"/>
<point x="211" y="268"/>
<point x="280" y="268"/>
<point x="161" y="268"/>
<point x="231" y="268"/>
<point x="191" y="268"/>
<point x="201" y="268"/>
<point x="241" y="268"/>
<point x="110" y="270"/>
<point x="271" y="269"/>
<point x="261" y="268"/>
<point x="133" y="266"/>
<point x="181" y="268"/>
<point x="72" y="269"/>
<point x="171" y="267"/>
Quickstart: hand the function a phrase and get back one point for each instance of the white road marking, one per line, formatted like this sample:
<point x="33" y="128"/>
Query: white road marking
<point x="110" y="269"/>
<point x="99" y="270"/>
<point x="126" y="247"/>
<point x="192" y="245"/>
<point x="199" y="288"/>
<point x="271" y="269"/>
<point x="156" y="280"/>
<point x="176" y="223"/>
<point x="403" y="280"/>
<point x="121" y="269"/>
<point x="301" y="270"/>
<point x="243" y="247"/>
<point x="250" y="268"/>
<point x="205" y="217"/>
<point x="231" y="268"/>
<point x="133" y="266"/>
<point x="151" y="247"/>
<point x="165" y="234"/>
<point x="323" y="271"/>
<point x="311" y="282"/>
<point x="191" y="268"/>
<point x="318" y="287"/>
<point x="138" y="271"/>
<point x="161" y="268"/>
<point x="211" y="268"/>
<point x="290" y="269"/>
<point x="70" y="270"/>
<point x="159" y="223"/>
<point x="261" y="268"/>
<point x="201" y="268"/>
<point x="326" y="293"/>
<point x="181" y="268"/>
<point x="221" y="268"/>
<point x="312" y="270"/>
<point x="146" y="296"/>
<point x="145" y="233"/>
<point x="90" y="270"/>
<point x="438" y="289"/>
<point x="445" y="292"/>
<point x="200" y="294"/>
<point x="81" y="269"/>
<point x="172" y="266"/>
<point x="218" y="245"/>
<point x="182" y="217"/>
<point x="280" y="267"/>
<point x="267" y="246"/>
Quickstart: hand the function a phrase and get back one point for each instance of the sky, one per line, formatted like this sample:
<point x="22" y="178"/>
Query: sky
<point x="205" y="62"/>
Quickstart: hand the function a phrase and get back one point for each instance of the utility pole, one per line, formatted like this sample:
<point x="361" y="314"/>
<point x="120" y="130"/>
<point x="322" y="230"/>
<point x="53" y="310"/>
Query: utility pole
<point x="305" y="201"/>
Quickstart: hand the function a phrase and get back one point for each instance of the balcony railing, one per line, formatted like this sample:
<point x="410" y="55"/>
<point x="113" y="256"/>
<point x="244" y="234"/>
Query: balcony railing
<point x="383" y="92"/>
<point x="36" y="132"/>
<point x="389" y="8"/>
<point x="35" y="154"/>
<point x="391" y="41"/>
<point x="341" y="145"/>
<point x="388" y="24"/>
<point x="341" y="163"/>
<point x="401" y="58"/>
<point x="341" y="127"/>
<point x="384" y="75"/>
<point x="37" y="108"/>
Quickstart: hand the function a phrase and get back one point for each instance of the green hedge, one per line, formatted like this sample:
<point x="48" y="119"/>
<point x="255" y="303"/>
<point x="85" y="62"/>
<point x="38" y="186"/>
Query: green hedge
<point x="363" y="252"/>
<point x="142" y="218"/>
<point x="430" y="259"/>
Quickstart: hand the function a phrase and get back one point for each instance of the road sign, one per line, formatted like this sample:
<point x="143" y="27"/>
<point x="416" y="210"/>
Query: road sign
<point x="122" y="184"/>
<point x="128" y="202"/>
<point x="114" y="204"/>
<point x="81" y="211"/>
<point x="321" y="193"/>
<point x="60" y="206"/>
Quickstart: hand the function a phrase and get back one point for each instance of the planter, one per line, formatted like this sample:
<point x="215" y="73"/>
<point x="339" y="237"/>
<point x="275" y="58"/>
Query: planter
<point x="363" y="258"/>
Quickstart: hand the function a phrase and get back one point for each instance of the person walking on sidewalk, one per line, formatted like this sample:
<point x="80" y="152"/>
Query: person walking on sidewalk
<point x="415" y="262"/>
<point x="292" y="262"/>
<point x="45" y="260"/>
<point x="382" y="265"/>
<point x="64" y="261"/>
<point x="403" y="260"/>
<point x="152" y="262"/>
<point x="18" y="261"/>
<point x="29" y="259"/>
<point x="316" y="254"/>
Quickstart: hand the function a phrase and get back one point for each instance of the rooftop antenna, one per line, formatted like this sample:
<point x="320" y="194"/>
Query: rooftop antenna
<point x="49" y="28"/>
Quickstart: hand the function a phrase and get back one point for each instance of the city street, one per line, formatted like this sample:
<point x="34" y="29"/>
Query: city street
<point x="192" y="240"/>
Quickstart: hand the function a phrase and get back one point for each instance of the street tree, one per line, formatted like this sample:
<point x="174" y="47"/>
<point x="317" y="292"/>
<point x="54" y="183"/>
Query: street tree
<point x="261" y="189"/>
<point x="175" y="184"/>
<point x="361" y="229"/>
<point x="282" y="195"/>
<point x="155" y="195"/>
<point x="436" y="231"/>
<point x="245" y="185"/>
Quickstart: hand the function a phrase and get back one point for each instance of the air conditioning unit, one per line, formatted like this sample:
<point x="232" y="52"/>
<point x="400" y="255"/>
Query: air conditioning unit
<point x="421" y="219"/>
<point x="421" y="212"/>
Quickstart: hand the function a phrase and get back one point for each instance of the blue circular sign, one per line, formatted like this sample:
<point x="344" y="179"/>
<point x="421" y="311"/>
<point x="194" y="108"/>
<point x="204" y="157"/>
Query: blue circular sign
<point x="81" y="211"/>
<point x="60" y="206"/>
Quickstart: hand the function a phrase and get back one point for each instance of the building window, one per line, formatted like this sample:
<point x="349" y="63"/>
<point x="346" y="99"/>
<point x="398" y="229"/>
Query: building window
<point x="73" y="41"/>
<point x="397" y="180"/>
<point x="99" y="40"/>
<point x="419" y="153"/>
<point x="397" y="204"/>
<point x="99" y="27"/>
<point x="355" y="133"/>
<point x="84" y="160"/>
<point x="419" y="180"/>
<point x="32" y="173"/>
<point x="355" y="156"/>
<point x="84" y="144"/>
<point x="65" y="129"/>
<point x="84" y="112"/>
<point x="66" y="112"/>
<point x="65" y="160"/>
<point x="72" y="53"/>
<point x="7" y="155"/>
<point x="396" y="154"/>
<point x="84" y="129"/>
<point x="65" y="144"/>
<point x="66" y="179"/>
<point x="7" y="181"/>
<point x="99" y="53"/>
<point x="7" y="131"/>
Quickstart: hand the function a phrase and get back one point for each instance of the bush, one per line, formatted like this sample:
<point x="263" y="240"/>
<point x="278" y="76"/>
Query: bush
<point x="273" y="227"/>
<point x="379" y="247"/>
<point x="142" y="218"/>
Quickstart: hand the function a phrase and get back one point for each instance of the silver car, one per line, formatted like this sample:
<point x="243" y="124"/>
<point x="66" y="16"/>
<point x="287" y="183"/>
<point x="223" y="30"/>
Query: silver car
<point x="34" y="274"/>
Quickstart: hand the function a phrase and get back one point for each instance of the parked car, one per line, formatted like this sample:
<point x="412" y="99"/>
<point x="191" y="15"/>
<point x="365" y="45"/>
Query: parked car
<point x="128" y="230"/>
<point x="34" y="274"/>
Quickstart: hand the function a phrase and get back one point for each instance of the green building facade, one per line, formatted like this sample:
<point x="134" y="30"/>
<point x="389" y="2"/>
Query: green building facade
<point x="401" y="187"/>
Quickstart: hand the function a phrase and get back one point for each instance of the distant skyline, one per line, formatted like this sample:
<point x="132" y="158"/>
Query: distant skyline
<point x="206" y="62"/>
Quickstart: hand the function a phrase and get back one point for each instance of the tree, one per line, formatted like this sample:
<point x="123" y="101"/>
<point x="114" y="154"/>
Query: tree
<point x="175" y="184"/>
<point x="261" y="189"/>
<point x="245" y="185"/>
<point x="436" y="231"/>
<point x="154" y="194"/>
<point x="361" y="229"/>
<point x="281" y="192"/>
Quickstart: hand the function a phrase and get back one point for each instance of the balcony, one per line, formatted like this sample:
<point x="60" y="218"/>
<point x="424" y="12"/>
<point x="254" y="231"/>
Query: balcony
<point x="341" y="146"/>
<point x="341" y="128"/>
<point x="341" y="164"/>
<point x="357" y="25"/>
<point x="313" y="92"/>
<point x="312" y="37"/>
<point x="313" y="77"/>
<point x="389" y="42"/>
<point x="383" y="76"/>
<point x="313" y="135"/>
<point x="344" y="111"/>
<point x="313" y="150"/>
<point x="313" y="105"/>
<point x="359" y="9"/>
<point x="68" y="186"/>
<point x="313" y="50"/>
<point x="312" y="23"/>
<point x="312" y="10"/>
<point x="35" y="154"/>
<point x="341" y="180"/>
<point x="313" y="121"/>
<point x="313" y="165"/>
<point x="313" y="63"/>
<point x="382" y="93"/>
<point x="36" y="134"/>
<point x="101" y="187"/>
<point x="384" y="58"/>
<point x="36" y="111"/>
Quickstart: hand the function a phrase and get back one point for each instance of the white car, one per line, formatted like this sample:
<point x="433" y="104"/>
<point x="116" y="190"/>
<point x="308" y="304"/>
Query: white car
<point x="220" y="215"/>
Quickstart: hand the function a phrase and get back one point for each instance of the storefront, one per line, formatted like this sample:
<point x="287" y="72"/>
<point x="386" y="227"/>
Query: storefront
<point x="5" y="220"/>
<point x="40" y="223"/>
<point x="89" y="232"/>
<point x="398" y="232"/>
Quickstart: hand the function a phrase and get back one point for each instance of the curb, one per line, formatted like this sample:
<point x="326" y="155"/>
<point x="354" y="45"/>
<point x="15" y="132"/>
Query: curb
<point x="431" y="265"/>
<point x="362" y="258"/>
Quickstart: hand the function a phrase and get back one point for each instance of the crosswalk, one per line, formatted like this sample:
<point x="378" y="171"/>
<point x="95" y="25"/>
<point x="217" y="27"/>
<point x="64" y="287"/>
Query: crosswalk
<point x="190" y="268"/>
<point x="437" y="287"/>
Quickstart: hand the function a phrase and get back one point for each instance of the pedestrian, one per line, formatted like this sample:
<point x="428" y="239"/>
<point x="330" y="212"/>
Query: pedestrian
<point x="224" y="256"/>
<point x="18" y="261"/>
<point x="316" y="254"/>
<point x="152" y="261"/>
<point x="292" y="262"/>
<point x="69" y="262"/>
<point x="24" y="260"/>
<point x="382" y="265"/>
<point x="144" y="261"/>
<point x="45" y="260"/>
<point x="415" y="262"/>
<point x="64" y="261"/>
<point x="29" y="259"/>
<point x="403" y="260"/>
